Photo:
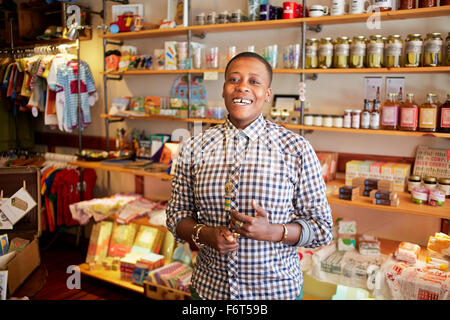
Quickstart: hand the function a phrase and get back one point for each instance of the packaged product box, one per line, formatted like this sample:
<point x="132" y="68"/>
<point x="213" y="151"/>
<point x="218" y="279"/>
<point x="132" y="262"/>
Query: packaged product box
<point x="375" y="170"/>
<point x="401" y="173"/>
<point x="347" y="227"/>
<point x="99" y="242"/>
<point x="351" y="171"/>
<point x="145" y="240"/>
<point x="346" y="244"/>
<point x="364" y="168"/>
<point x="439" y="243"/>
<point x="387" y="171"/>
<point x="346" y="235"/>
<point x="325" y="162"/>
<point x="170" y="55"/>
<point x="152" y="105"/>
<point x="28" y="227"/>
<point x="122" y="239"/>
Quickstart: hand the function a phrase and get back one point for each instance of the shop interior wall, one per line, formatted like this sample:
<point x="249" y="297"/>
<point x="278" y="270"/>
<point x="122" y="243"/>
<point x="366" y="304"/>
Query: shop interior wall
<point x="341" y="92"/>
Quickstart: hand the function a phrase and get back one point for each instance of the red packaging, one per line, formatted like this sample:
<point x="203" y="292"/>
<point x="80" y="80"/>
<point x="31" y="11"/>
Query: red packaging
<point x="289" y="9"/>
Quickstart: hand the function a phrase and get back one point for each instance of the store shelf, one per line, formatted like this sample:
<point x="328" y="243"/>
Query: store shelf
<point x="97" y="165"/>
<point x="442" y="69"/>
<point x="369" y="131"/>
<point x="159" y="117"/>
<point x="283" y="23"/>
<point x="110" y="276"/>
<point x="405" y="206"/>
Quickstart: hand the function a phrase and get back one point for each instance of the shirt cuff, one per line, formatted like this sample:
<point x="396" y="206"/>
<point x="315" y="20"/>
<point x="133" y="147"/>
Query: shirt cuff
<point x="306" y="236"/>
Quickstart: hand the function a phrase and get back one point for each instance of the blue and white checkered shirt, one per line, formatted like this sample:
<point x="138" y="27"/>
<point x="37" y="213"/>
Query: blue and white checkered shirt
<point x="272" y="165"/>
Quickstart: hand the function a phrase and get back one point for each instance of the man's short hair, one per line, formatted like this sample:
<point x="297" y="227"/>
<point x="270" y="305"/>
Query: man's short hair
<point x="252" y="55"/>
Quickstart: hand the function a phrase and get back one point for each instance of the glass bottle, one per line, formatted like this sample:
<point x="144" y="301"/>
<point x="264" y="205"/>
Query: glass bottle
<point x="444" y="123"/>
<point x="375" y="48"/>
<point x="427" y="3"/>
<point x="409" y="114"/>
<point x="432" y="50"/>
<point x="428" y="114"/>
<point x="400" y="95"/>
<point x="407" y="4"/>
<point x="447" y="49"/>
<point x="325" y="53"/>
<point x="358" y="52"/>
<point x="375" y="115"/>
<point x="393" y="51"/>
<point x="413" y="50"/>
<point x="383" y="5"/>
<point x="341" y="53"/>
<point x="311" y="61"/>
<point x="389" y="113"/>
<point x="365" y="115"/>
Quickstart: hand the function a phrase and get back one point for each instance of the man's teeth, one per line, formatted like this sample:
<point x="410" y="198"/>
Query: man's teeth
<point x="244" y="101"/>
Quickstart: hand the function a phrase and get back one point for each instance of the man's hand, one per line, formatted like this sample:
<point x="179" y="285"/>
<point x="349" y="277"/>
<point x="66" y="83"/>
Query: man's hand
<point x="219" y="238"/>
<point x="257" y="227"/>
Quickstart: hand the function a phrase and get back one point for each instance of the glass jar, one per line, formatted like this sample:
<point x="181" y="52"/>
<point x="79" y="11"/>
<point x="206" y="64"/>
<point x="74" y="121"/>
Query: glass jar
<point x="338" y="121"/>
<point x="311" y="60"/>
<point x="358" y="52"/>
<point x="436" y="198"/>
<point x="444" y="185"/>
<point x="447" y="48"/>
<point x="428" y="114"/>
<point x="328" y="121"/>
<point x="375" y="48"/>
<point x="414" y="182"/>
<point x="318" y="120"/>
<point x="413" y="50"/>
<point x="383" y="5"/>
<point x="375" y="115"/>
<point x="347" y="118"/>
<point x="341" y="53"/>
<point x="407" y="4"/>
<point x="430" y="183"/>
<point x="389" y="113"/>
<point x="427" y="3"/>
<point x="393" y="51"/>
<point x="308" y="120"/>
<point x="432" y="50"/>
<point x="365" y="115"/>
<point x="409" y="114"/>
<point x="356" y="119"/>
<point x="325" y="53"/>
<point x="444" y="121"/>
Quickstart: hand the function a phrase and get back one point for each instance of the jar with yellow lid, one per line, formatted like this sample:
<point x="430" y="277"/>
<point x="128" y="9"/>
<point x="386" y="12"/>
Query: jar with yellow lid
<point x="444" y="185"/>
<point x="393" y="51"/>
<point x="413" y="50"/>
<point x="341" y="53"/>
<point x="311" y="60"/>
<point x="375" y="51"/>
<point x="432" y="50"/>
<point x="358" y="52"/>
<point x="325" y="53"/>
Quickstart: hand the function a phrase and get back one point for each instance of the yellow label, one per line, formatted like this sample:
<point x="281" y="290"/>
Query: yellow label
<point x="427" y="118"/>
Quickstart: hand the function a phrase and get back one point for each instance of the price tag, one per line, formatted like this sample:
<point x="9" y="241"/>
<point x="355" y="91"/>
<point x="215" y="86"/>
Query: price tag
<point x="211" y="75"/>
<point x="34" y="112"/>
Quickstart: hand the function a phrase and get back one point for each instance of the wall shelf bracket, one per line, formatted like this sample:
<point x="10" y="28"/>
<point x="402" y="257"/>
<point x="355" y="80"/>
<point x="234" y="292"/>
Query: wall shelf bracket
<point x="200" y="35"/>
<point x="317" y="28"/>
<point x="313" y="76"/>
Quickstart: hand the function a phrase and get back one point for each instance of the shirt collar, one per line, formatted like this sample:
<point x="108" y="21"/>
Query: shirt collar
<point x="252" y="131"/>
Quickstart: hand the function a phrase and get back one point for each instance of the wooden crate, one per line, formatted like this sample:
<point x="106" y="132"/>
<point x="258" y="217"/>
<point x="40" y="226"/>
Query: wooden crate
<point x="158" y="292"/>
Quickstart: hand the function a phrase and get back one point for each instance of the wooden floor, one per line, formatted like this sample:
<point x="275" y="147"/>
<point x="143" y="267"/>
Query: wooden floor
<point x="48" y="282"/>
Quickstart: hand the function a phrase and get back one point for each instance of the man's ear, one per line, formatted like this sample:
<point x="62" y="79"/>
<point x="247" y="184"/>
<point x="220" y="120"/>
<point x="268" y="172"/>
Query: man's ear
<point x="268" y="94"/>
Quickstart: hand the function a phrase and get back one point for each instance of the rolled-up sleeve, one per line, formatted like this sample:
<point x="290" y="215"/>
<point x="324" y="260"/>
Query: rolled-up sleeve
<point x="312" y="210"/>
<point x="181" y="203"/>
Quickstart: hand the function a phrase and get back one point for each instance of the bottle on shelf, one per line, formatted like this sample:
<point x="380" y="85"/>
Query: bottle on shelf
<point x="375" y="115"/>
<point x="447" y="49"/>
<point x="444" y="122"/>
<point x="413" y="50"/>
<point x="400" y="95"/>
<point x="428" y="113"/>
<point x="409" y="114"/>
<point x="432" y="50"/>
<point x="365" y="115"/>
<point x="389" y="113"/>
<point x="325" y="52"/>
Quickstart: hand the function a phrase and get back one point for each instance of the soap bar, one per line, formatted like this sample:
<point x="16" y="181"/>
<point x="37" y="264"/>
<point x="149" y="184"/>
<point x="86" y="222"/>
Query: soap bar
<point x="392" y="203"/>
<point x="383" y="194"/>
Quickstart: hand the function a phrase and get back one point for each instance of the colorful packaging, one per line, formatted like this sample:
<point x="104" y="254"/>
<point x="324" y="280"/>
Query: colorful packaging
<point x="407" y="252"/>
<point x="351" y="171"/>
<point x="401" y="173"/>
<point x="170" y="55"/>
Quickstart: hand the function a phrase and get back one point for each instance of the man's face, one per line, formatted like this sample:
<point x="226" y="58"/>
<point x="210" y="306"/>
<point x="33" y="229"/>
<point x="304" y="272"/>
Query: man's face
<point x="245" y="90"/>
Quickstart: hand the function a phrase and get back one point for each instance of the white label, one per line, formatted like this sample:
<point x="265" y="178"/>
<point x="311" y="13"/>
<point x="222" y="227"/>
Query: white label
<point x="374" y="120"/>
<point x="433" y="46"/>
<point x="365" y="120"/>
<point x="342" y="49"/>
<point x="311" y="51"/>
<point x="393" y="49"/>
<point x="358" y="49"/>
<point x="383" y="3"/>
<point x="210" y="75"/>
<point x="414" y="46"/>
<point x="375" y="48"/>
<point x="326" y="50"/>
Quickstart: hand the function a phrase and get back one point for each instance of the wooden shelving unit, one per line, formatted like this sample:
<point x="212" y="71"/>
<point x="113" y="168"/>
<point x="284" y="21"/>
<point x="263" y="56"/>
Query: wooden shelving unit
<point x="405" y="206"/>
<point x="278" y="24"/>
<point x="98" y="165"/>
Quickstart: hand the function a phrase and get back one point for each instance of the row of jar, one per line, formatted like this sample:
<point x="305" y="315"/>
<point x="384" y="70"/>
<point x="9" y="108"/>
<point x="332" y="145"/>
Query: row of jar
<point x="392" y="114"/>
<point x="429" y="183"/>
<point x="378" y="51"/>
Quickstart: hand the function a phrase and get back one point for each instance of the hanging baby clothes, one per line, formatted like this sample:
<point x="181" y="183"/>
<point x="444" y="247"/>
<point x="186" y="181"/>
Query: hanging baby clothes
<point x="66" y="79"/>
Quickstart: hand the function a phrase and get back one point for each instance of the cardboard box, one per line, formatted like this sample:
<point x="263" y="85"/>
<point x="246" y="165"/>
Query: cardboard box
<point x="28" y="227"/>
<point x="170" y="55"/>
<point x="351" y="171"/>
<point x="375" y="170"/>
<point x="401" y="173"/>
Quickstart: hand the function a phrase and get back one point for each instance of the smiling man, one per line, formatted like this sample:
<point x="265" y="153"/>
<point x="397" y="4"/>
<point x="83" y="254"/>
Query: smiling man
<point x="248" y="192"/>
